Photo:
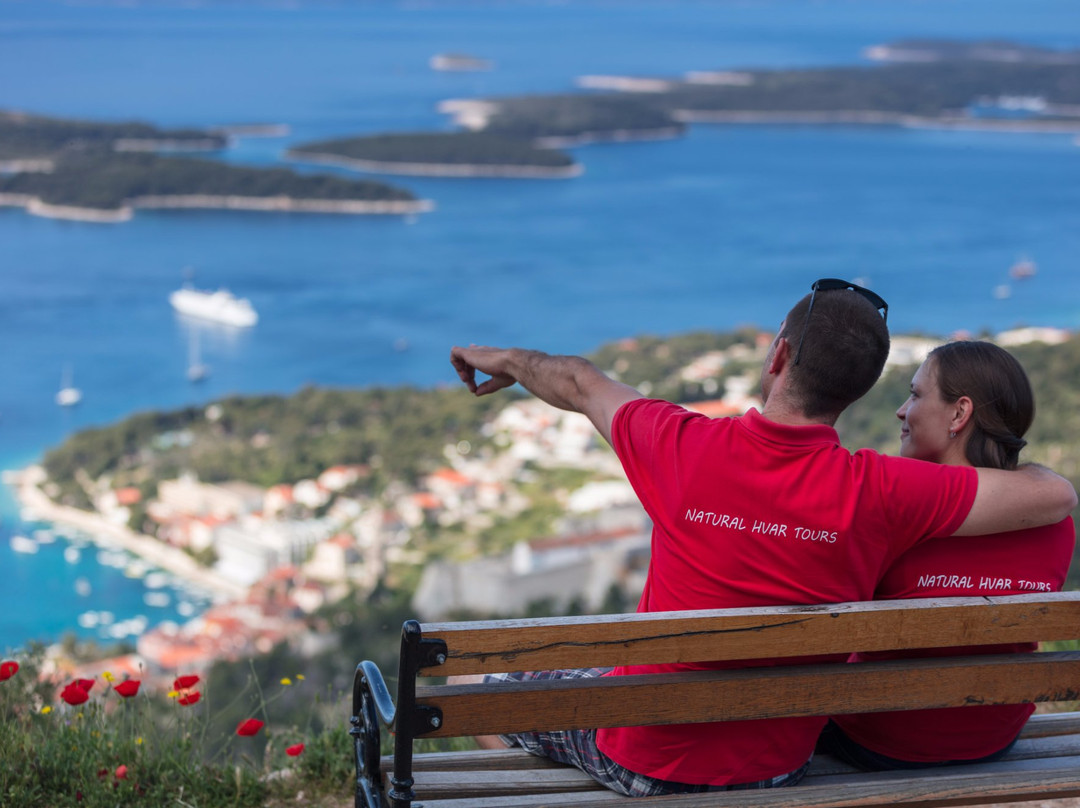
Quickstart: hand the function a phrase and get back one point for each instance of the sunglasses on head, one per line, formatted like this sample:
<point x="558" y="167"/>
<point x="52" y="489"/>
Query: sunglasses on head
<point x="827" y="285"/>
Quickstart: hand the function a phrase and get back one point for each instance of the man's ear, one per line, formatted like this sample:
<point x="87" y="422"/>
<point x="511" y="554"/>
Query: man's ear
<point x="781" y="356"/>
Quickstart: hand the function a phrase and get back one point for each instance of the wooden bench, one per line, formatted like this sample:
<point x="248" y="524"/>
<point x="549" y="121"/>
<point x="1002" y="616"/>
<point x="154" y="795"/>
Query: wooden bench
<point x="1044" y="764"/>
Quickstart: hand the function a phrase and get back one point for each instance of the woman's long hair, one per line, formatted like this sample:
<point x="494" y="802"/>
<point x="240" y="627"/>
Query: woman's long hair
<point x="1004" y="405"/>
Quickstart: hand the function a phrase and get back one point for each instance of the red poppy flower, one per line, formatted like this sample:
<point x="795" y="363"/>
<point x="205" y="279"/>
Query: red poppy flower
<point x="190" y="698"/>
<point x="294" y="750"/>
<point x="249" y="727"/>
<point x="74" y="694"/>
<point x="121" y="772"/>
<point x="102" y="773"/>
<point x="184" y="682"/>
<point x="128" y="688"/>
<point x="8" y="668"/>
<point x="85" y="684"/>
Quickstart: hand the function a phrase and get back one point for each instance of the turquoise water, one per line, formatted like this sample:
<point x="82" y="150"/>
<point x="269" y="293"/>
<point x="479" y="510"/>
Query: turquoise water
<point x="720" y="228"/>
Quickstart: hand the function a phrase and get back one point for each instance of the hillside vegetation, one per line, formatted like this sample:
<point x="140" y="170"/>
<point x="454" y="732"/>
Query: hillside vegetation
<point x="398" y="432"/>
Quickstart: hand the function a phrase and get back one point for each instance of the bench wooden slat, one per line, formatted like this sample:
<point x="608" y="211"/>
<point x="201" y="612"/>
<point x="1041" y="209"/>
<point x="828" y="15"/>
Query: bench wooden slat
<point x="432" y="785"/>
<point x="483" y="780"/>
<point x="475" y="760"/>
<point x="751" y="633"/>
<point x="1005" y="781"/>
<point x="1045" y="725"/>
<point x="753" y="693"/>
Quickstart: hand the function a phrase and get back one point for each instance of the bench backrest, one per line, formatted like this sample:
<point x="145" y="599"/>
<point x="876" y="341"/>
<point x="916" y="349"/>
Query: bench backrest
<point x="747" y="634"/>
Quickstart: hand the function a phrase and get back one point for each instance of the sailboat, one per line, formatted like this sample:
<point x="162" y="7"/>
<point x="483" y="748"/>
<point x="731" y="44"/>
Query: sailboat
<point x="69" y="395"/>
<point x="196" y="370"/>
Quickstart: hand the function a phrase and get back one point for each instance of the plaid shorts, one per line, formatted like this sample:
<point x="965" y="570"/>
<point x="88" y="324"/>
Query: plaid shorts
<point x="577" y="747"/>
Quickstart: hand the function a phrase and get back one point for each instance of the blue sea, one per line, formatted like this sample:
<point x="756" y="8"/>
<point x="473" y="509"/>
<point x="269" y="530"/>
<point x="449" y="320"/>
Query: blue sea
<point x="724" y="227"/>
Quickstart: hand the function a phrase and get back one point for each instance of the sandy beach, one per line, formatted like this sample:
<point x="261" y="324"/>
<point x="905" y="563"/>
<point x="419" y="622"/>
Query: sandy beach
<point x="27" y="487"/>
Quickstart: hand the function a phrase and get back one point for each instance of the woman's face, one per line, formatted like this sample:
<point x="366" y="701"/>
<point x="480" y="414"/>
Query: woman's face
<point x="926" y="418"/>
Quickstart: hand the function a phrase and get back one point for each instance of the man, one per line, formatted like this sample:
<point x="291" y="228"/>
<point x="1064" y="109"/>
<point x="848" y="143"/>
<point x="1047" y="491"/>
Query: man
<point x="762" y="509"/>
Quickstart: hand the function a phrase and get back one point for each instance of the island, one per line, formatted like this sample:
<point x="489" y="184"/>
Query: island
<point x="104" y="186"/>
<point x="34" y="142"/>
<point x="501" y="137"/>
<point x="451" y="154"/>
<point x="963" y="92"/>
<point x="921" y="83"/>
<point x="103" y="172"/>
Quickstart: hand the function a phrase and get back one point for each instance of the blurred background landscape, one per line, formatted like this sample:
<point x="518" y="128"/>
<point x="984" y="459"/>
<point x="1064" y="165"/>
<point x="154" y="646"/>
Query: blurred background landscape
<point x="309" y="478"/>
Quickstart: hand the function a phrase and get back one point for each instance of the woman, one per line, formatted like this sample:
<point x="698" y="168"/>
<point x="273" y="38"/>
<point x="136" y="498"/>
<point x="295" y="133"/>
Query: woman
<point x="970" y="404"/>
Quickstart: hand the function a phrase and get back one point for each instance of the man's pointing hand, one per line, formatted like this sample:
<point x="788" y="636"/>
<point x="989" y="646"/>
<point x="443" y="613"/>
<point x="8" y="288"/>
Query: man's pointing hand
<point x="495" y="362"/>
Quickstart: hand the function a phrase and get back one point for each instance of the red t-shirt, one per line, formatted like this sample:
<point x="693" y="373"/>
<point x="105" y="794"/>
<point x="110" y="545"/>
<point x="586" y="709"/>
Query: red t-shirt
<point x="748" y="512"/>
<point x="1017" y="563"/>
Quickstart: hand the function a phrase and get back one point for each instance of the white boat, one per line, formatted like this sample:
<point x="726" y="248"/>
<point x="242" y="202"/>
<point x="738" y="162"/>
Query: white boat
<point x="69" y="395"/>
<point x="158" y="599"/>
<point x="155" y="580"/>
<point x="136" y="568"/>
<point x="459" y="62"/>
<point x="24" y="544"/>
<point x="219" y="307"/>
<point x="117" y="559"/>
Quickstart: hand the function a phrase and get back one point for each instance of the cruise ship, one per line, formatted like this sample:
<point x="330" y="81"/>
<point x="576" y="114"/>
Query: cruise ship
<point x="220" y="306"/>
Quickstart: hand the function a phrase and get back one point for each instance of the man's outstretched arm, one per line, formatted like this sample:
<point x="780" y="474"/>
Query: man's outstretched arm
<point x="567" y="382"/>
<point x="1014" y="500"/>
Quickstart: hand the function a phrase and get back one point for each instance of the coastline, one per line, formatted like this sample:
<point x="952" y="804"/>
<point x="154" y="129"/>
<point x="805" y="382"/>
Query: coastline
<point x="440" y="169"/>
<point x="868" y="118"/>
<point x="274" y="204"/>
<point x="26" y="485"/>
<point x="36" y="207"/>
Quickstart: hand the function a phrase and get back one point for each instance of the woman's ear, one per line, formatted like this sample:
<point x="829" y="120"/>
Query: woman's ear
<point x="963" y="410"/>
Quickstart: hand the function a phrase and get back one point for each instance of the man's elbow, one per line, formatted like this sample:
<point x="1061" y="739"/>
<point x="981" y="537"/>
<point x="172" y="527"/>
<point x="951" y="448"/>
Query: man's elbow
<point x="1057" y="494"/>
<point x="1069" y="501"/>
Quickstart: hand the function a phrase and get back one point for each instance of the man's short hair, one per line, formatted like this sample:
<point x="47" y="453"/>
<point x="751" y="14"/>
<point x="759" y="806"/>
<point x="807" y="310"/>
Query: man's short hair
<point x="844" y="349"/>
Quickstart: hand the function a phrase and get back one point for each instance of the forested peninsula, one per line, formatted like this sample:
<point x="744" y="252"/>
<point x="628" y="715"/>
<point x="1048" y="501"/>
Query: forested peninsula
<point x="916" y="82"/>
<point x="103" y="172"/>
